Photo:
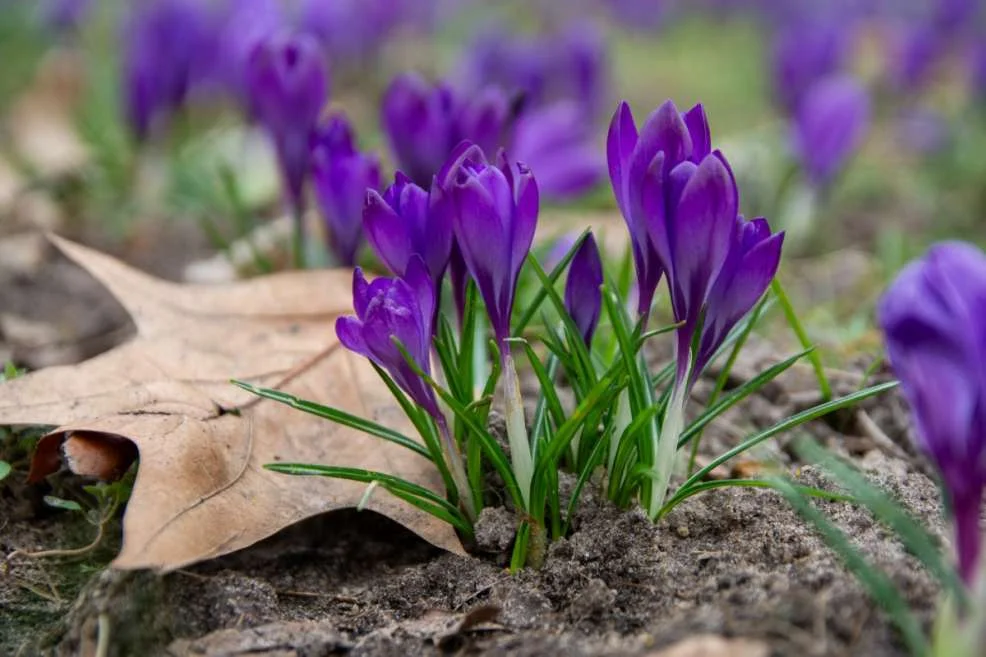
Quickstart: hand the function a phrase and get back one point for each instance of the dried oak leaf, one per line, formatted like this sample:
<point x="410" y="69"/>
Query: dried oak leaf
<point x="201" y="490"/>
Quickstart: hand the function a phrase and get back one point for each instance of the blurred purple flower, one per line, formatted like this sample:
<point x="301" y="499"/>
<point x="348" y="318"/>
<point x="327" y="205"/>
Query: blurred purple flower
<point x="244" y="25"/>
<point x="830" y="125"/>
<point x="932" y="317"/>
<point x="952" y="16"/>
<point x="288" y="83"/>
<point x="924" y="132"/>
<point x="163" y="41"/>
<point x="407" y="221"/>
<point x="389" y="308"/>
<point x="583" y="296"/>
<point x="558" y="144"/>
<point x="65" y="15"/>
<point x="424" y="122"/>
<point x="915" y="52"/>
<point x="640" y="15"/>
<point x="571" y="64"/>
<point x="496" y="211"/>
<point x="349" y="29"/>
<point x="803" y="53"/>
<point x="341" y="176"/>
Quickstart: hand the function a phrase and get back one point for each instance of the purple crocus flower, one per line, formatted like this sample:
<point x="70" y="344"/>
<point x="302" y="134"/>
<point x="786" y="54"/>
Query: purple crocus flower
<point x="559" y="143"/>
<point x="752" y="261"/>
<point x="803" y="53"/>
<point x="400" y="308"/>
<point x="496" y="210"/>
<point x="287" y="82"/>
<point x="668" y="140"/>
<point x="407" y="221"/>
<point x="163" y="41"/>
<point x="424" y="122"/>
<point x="341" y="176"/>
<point x="583" y="296"/>
<point x="244" y="24"/>
<point x="932" y="317"/>
<point x="831" y="124"/>
<point x="916" y="51"/>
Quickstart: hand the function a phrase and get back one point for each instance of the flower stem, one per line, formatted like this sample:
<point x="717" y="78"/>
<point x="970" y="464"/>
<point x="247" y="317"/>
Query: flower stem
<point x="454" y="459"/>
<point x="298" y="238"/>
<point x="667" y="445"/>
<point x="520" y="444"/>
<point x="799" y="330"/>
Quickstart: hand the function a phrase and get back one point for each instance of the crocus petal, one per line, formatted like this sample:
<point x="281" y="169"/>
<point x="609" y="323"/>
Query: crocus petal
<point x="698" y="128"/>
<point x="480" y="233"/>
<point x="525" y="217"/>
<point x="422" y="286"/>
<point x="620" y="143"/>
<point x="350" y="333"/>
<point x="361" y="293"/>
<point x="386" y="233"/>
<point x="704" y="225"/>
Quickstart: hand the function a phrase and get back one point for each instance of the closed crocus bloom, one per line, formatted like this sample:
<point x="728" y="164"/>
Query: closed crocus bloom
<point x="750" y="266"/>
<point x="583" y="294"/>
<point x="803" y="53"/>
<point x="831" y="124"/>
<point x="341" y="176"/>
<point x="932" y="318"/>
<point x="558" y="142"/>
<point x="287" y="82"/>
<point x="245" y="23"/>
<point x="424" y="122"/>
<point x="389" y="308"/>
<point x="647" y="170"/>
<point x="406" y="221"/>
<point x="164" y="40"/>
<point x="496" y="210"/>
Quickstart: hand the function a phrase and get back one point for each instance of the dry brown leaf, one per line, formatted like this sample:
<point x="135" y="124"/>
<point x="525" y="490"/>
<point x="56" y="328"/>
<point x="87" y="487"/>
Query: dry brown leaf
<point x="201" y="490"/>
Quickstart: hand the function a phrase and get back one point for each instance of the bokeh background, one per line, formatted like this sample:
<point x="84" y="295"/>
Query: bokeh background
<point x="858" y="126"/>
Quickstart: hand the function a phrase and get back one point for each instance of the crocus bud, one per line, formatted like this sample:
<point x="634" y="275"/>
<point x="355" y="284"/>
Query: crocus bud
<point x="831" y="124"/>
<point x="407" y="221"/>
<point x="163" y="41"/>
<point x="583" y="293"/>
<point x="425" y="122"/>
<point x="342" y="176"/>
<point x="400" y="308"/>
<point x="496" y="210"/>
<point x="287" y="83"/>
<point x="753" y="259"/>
<point x="932" y="319"/>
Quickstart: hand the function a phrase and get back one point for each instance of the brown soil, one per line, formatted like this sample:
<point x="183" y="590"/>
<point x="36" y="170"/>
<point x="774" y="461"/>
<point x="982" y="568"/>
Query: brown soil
<point x="734" y="563"/>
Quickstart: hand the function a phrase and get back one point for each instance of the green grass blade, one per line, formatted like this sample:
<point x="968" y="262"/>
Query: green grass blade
<point x="406" y="490"/>
<point x="736" y="396"/>
<point x="532" y="308"/>
<point x="337" y="416"/>
<point x="787" y="424"/>
<point x="799" y="330"/>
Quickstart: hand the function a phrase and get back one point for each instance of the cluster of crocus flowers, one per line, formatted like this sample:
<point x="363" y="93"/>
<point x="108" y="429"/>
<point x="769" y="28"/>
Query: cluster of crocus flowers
<point x="425" y="121"/>
<point x="932" y="320"/>
<point x="681" y="204"/>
